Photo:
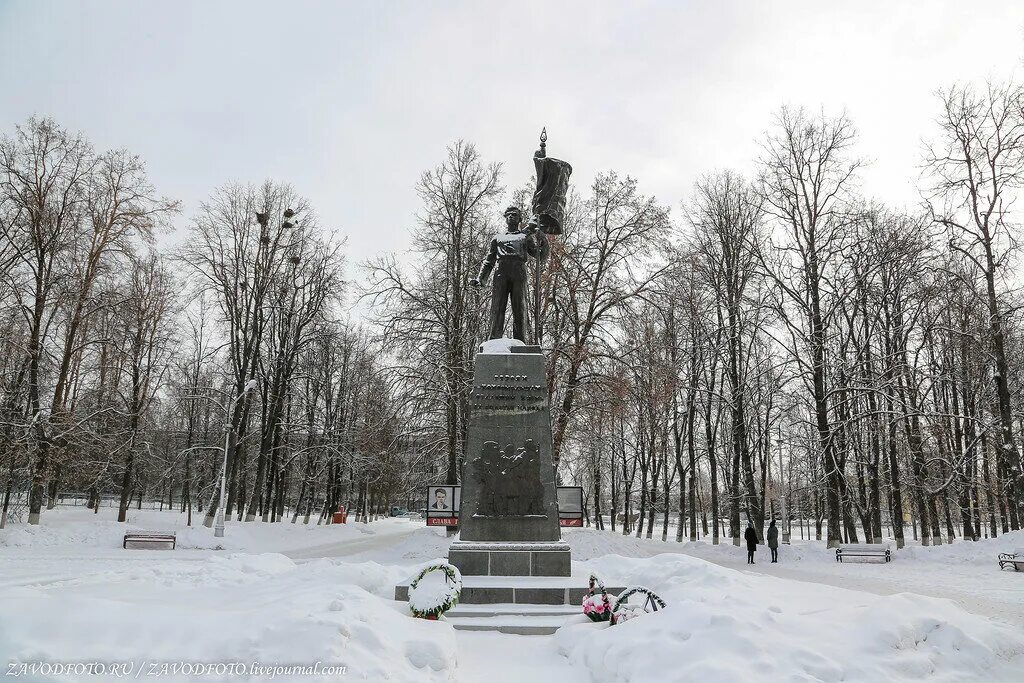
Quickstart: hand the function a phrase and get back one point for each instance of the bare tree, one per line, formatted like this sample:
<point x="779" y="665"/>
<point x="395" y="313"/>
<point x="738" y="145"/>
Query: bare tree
<point x="146" y="340"/>
<point x="726" y="217"/>
<point x="806" y="176"/>
<point x="601" y="264"/>
<point x="976" y="166"/>
<point x="237" y="250"/>
<point x="429" y="317"/>
<point x="72" y="212"/>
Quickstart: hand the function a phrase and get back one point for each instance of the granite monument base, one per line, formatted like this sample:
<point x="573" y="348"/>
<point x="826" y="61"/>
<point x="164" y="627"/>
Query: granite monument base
<point x="517" y="573"/>
<point x="476" y="558"/>
<point x="521" y="590"/>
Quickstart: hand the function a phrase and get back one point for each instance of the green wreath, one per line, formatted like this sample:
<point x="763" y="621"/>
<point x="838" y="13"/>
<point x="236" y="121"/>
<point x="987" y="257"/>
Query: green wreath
<point x="436" y="603"/>
<point x="624" y="611"/>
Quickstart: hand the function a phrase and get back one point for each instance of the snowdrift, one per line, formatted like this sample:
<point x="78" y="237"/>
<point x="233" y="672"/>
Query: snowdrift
<point x="724" y="625"/>
<point x="233" y="608"/>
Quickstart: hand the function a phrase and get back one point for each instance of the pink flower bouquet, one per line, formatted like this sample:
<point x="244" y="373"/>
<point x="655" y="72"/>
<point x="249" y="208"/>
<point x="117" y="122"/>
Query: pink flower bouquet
<point x="596" y="604"/>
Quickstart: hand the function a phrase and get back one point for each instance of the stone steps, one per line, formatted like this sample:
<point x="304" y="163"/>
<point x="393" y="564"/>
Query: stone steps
<point x="507" y="609"/>
<point x="515" y="624"/>
<point x="520" y="590"/>
<point x="524" y="605"/>
<point x="521" y="619"/>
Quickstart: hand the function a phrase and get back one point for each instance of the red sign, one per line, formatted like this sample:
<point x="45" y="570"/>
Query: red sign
<point x="442" y="521"/>
<point x="577" y="521"/>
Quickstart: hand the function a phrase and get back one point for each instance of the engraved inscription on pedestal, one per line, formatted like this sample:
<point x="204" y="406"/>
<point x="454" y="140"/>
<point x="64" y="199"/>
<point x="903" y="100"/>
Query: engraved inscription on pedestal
<point x="508" y="394"/>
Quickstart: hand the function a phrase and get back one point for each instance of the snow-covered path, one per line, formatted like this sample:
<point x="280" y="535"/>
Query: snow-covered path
<point x="385" y="538"/>
<point x="49" y="569"/>
<point x="1000" y="595"/>
<point x="503" y="657"/>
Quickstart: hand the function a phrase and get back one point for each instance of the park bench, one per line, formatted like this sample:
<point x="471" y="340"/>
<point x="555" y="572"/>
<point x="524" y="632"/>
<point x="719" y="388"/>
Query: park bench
<point x="1014" y="561"/>
<point x="148" y="538"/>
<point x="878" y="551"/>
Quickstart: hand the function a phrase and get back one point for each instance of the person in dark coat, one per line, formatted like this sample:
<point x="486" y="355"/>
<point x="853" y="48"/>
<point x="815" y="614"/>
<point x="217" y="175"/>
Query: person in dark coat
<point x="751" y="538"/>
<point x="773" y="540"/>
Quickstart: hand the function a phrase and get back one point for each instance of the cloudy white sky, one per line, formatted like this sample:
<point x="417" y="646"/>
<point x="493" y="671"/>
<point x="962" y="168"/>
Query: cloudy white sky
<point x="351" y="101"/>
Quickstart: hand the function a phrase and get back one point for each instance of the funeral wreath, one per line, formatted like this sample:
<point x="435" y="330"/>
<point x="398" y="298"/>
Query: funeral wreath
<point x="644" y="601"/>
<point x="435" y="590"/>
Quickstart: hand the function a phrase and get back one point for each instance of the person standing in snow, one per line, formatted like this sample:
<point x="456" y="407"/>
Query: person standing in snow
<point x="751" y="538"/>
<point x="773" y="540"/>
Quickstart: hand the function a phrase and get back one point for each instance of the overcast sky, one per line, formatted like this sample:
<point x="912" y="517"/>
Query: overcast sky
<point x="350" y="102"/>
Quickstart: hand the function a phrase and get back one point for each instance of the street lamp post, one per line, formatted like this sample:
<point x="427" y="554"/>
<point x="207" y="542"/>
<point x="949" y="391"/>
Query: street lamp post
<point x="218" y="529"/>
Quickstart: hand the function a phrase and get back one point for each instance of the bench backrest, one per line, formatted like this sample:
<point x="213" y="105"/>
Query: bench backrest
<point x="880" y="547"/>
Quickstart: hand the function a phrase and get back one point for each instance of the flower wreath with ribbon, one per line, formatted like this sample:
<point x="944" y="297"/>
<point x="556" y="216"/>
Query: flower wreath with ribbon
<point x="624" y="611"/>
<point x="431" y="604"/>
<point x="596" y="604"/>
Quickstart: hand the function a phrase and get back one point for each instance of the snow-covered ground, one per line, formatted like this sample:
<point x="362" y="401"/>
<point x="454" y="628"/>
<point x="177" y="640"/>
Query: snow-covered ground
<point x="295" y="595"/>
<point x="964" y="572"/>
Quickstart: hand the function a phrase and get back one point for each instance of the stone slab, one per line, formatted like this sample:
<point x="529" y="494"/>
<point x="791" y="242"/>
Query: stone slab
<point x="523" y="619"/>
<point x="471" y="562"/>
<point x="541" y="596"/>
<point x="523" y="626"/>
<point x="509" y="563"/>
<point x="530" y="590"/>
<point x="511" y="559"/>
<point x="487" y="594"/>
<point x="511" y="609"/>
<point x="548" y="563"/>
<point x="526" y="348"/>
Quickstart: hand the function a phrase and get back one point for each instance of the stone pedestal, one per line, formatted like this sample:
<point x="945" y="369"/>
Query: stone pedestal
<point x="521" y="590"/>
<point x="516" y="569"/>
<point x="509" y="512"/>
<point x="474" y="558"/>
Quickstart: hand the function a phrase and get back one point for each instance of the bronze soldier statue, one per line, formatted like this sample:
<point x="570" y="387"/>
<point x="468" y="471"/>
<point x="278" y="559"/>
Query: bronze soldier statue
<point x="509" y="253"/>
<point x="507" y="257"/>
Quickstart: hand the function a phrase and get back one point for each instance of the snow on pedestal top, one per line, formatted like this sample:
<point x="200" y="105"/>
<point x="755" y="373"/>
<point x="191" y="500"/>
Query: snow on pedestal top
<point x="503" y="345"/>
